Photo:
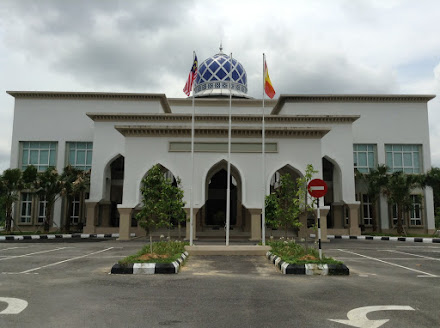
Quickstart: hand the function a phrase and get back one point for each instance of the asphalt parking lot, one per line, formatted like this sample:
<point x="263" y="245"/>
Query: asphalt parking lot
<point x="63" y="284"/>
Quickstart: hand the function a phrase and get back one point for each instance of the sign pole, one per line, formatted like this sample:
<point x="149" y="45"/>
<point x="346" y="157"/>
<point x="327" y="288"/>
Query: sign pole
<point x="319" y="229"/>
<point x="317" y="188"/>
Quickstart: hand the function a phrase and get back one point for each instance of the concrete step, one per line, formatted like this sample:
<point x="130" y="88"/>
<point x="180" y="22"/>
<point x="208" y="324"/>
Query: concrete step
<point x="255" y="250"/>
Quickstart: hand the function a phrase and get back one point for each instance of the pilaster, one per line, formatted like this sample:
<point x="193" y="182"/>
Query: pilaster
<point x="91" y="217"/>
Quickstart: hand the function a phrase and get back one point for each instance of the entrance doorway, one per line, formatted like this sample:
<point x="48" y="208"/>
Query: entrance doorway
<point x="216" y="202"/>
<point x="213" y="212"/>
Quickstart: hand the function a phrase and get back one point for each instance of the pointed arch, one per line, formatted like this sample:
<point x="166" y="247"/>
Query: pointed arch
<point x="215" y="184"/>
<point x="276" y="175"/>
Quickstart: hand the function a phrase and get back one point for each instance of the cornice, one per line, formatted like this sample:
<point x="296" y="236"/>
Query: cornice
<point x="221" y="102"/>
<point x="134" y="117"/>
<point x="93" y="95"/>
<point x="179" y="131"/>
<point x="357" y="98"/>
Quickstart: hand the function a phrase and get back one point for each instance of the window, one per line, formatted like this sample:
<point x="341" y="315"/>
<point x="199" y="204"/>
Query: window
<point x="75" y="211"/>
<point x="26" y="207"/>
<point x="364" y="157"/>
<point x="416" y="211"/>
<point x="404" y="158"/>
<point x="79" y="155"/>
<point x="42" y="203"/>
<point x="367" y="209"/>
<point x="38" y="153"/>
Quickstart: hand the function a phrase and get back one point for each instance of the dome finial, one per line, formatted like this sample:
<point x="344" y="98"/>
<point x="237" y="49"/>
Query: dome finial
<point x="221" y="47"/>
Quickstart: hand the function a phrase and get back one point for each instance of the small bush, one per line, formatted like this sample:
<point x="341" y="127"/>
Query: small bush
<point x="163" y="252"/>
<point x="293" y="253"/>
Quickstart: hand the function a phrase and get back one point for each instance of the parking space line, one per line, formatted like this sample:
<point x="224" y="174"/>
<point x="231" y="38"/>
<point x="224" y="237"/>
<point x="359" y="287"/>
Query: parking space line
<point x="393" y="264"/>
<point x="17" y="256"/>
<point x="6" y="249"/>
<point x="425" y="257"/>
<point x="64" y="261"/>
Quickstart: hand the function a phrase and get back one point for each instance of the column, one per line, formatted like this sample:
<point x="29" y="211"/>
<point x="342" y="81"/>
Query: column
<point x="91" y="217"/>
<point x="188" y="223"/>
<point x="255" y="223"/>
<point x="106" y="214"/>
<point x="354" y="229"/>
<point x="303" y="230"/>
<point x="323" y="211"/>
<point x="124" y="223"/>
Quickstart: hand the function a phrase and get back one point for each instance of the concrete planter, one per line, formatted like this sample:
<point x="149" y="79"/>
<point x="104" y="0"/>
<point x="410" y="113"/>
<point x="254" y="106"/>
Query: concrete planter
<point x="150" y="268"/>
<point x="308" y="269"/>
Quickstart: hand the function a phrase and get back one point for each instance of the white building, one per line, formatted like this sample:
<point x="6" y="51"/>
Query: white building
<point x="120" y="136"/>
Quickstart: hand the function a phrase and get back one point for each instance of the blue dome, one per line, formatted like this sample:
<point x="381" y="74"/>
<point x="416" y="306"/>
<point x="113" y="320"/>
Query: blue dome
<point x="213" y="77"/>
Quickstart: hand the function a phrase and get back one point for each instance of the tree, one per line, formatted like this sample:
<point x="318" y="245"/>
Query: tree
<point x="432" y="179"/>
<point x="289" y="200"/>
<point x="161" y="201"/>
<point x="375" y="182"/>
<point x="173" y="196"/>
<point x="271" y="212"/>
<point x="398" y="191"/>
<point x="75" y="183"/>
<point x="11" y="184"/>
<point x="49" y="186"/>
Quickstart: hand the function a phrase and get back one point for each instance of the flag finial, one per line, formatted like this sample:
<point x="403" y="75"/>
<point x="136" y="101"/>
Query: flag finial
<point x="221" y="47"/>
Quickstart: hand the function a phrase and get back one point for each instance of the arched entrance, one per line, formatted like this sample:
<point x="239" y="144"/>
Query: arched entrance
<point x="216" y="195"/>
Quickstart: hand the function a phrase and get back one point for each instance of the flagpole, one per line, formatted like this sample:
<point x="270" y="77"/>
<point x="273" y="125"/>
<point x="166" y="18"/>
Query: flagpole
<point x="228" y="193"/>
<point x="263" y="216"/>
<point x="191" y="215"/>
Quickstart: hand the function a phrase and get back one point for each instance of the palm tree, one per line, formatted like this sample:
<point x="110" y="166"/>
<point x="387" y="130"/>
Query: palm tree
<point x="49" y="186"/>
<point x="75" y="183"/>
<point x="398" y="191"/>
<point x="375" y="182"/>
<point x="11" y="184"/>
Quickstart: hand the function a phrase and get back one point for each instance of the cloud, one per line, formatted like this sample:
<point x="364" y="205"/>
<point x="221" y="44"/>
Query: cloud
<point x="316" y="46"/>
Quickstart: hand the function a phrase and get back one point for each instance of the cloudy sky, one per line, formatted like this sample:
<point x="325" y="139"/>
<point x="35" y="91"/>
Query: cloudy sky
<point x="312" y="46"/>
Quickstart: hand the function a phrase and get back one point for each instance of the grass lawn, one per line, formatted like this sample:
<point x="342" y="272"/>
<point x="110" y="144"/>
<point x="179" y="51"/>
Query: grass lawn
<point x="293" y="253"/>
<point x="163" y="252"/>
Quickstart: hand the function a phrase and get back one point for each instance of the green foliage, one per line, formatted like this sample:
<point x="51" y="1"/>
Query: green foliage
<point x="432" y="179"/>
<point x="375" y="182"/>
<point x="75" y="183"/>
<point x="161" y="201"/>
<point x="437" y="217"/>
<point x="271" y="214"/>
<point x="286" y="204"/>
<point x="49" y="186"/>
<point x="11" y="183"/>
<point x="171" y="249"/>
<point x="398" y="191"/>
<point x="293" y="253"/>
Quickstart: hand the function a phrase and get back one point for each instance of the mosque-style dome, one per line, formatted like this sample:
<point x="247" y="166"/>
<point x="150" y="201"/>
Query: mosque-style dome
<point x="213" y="77"/>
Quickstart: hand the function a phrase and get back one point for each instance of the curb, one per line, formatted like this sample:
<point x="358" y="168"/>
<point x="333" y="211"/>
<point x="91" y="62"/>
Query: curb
<point x="61" y="236"/>
<point x="150" y="268"/>
<point x="308" y="269"/>
<point x="404" y="239"/>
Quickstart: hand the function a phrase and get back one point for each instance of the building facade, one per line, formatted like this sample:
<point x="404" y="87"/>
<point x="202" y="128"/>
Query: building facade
<point x="120" y="136"/>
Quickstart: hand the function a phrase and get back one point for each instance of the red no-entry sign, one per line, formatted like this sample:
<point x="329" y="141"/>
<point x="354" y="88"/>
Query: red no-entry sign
<point x="317" y="188"/>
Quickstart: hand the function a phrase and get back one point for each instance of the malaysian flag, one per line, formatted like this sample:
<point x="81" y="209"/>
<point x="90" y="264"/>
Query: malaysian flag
<point x="191" y="77"/>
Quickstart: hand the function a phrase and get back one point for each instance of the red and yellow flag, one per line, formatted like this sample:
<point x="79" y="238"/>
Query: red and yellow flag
<point x="268" y="87"/>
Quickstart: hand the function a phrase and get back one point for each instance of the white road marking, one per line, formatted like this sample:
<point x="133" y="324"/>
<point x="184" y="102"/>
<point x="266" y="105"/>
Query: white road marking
<point x="425" y="257"/>
<point x="17" y="256"/>
<point x="15" y="305"/>
<point x="393" y="264"/>
<point x="358" y="317"/>
<point x="60" y="262"/>
<point x="6" y="249"/>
